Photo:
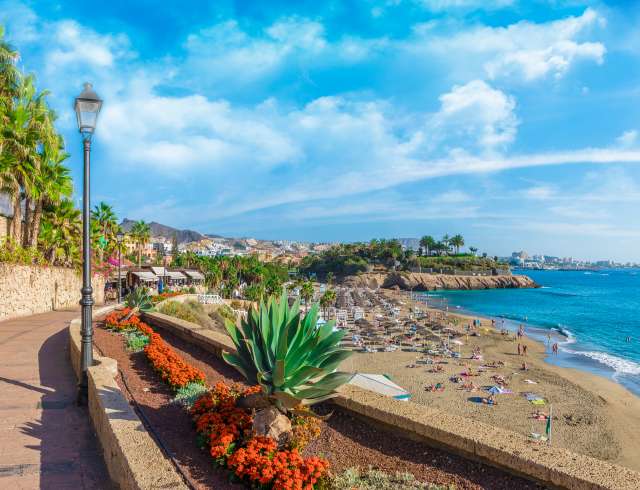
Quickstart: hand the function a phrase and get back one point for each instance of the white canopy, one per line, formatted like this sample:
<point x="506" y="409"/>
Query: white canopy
<point x="159" y="271"/>
<point x="146" y="276"/>
<point x="195" y="275"/>
<point x="176" y="275"/>
<point x="380" y="384"/>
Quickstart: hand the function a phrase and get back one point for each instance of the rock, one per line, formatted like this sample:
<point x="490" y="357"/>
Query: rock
<point x="429" y="282"/>
<point x="272" y="423"/>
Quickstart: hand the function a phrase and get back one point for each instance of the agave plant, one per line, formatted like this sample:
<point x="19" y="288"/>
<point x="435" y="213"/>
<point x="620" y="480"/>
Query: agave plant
<point x="138" y="300"/>
<point x="289" y="356"/>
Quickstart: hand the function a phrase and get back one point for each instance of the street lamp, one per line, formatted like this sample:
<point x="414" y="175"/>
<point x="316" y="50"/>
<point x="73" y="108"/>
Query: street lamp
<point x="119" y="238"/>
<point x="87" y="106"/>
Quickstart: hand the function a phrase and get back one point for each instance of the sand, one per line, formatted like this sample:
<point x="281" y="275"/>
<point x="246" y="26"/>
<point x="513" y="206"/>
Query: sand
<point x="591" y="415"/>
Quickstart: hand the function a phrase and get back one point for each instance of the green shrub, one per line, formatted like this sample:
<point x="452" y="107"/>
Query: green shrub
<point x="187" y="395"/>
<point x="226" y="313"/>
<point x="190" y="311"/>
<point x="16" y="254"/>
<point x="136" y="341"/>
<point x="371" y="479"/>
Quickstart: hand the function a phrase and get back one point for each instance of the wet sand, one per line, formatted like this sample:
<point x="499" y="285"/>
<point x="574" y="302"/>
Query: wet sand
<point x="591" y="415"/>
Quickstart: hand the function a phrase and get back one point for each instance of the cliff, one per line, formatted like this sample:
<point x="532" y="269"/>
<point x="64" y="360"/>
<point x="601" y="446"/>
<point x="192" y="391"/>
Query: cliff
<point x="429" y="282"/>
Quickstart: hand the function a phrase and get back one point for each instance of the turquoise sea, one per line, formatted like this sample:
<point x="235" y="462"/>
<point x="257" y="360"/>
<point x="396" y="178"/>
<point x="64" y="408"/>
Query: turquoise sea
<point x="591" y="314"/>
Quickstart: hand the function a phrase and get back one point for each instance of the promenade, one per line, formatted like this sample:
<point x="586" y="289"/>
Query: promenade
<point x="46" y="441"/>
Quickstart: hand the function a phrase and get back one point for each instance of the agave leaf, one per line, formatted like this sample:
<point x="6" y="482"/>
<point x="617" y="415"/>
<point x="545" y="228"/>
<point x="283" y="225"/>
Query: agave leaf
<point x="278" y="373"/>
<point x="326" y="385"/>
<point x="256" y="355"/>
<point x="238" y="363"/>
<point x="288" y="401"/>
<point x="333" y="360"/>
<point x="319" y="399"/>
<point x="303" y="375"/>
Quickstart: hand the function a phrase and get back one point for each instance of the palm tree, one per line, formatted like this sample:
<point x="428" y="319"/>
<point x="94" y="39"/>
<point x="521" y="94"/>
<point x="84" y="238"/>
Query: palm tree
<point x="427" y="242"/>
<point x="307" y="292"/>
<point x="60" y="233"/>
<point x="53" y="185"/>
<point x="141" y="234"/>
<point x="457" y="241"/>
<point x="104" y="216"/>
<point x="327" y="300"/>
<point x="473" y="250"/>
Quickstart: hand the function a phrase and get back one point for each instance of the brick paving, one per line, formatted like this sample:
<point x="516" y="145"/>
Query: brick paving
<point x="46" y="441"/>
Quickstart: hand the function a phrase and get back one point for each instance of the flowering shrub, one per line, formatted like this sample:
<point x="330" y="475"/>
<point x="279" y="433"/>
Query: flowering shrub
<point x="162" y="296"/>
<point x="172" y="368"/>
<point x="227" y="429"/>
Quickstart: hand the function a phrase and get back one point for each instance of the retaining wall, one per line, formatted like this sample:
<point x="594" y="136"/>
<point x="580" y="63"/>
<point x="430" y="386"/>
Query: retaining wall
<point x="27" y="290"/>
<point x="510" y="451"/>
<point x="132" y="457"/>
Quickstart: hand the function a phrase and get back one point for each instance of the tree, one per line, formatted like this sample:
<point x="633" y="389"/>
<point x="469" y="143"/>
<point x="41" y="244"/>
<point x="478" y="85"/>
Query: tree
<point x="307" y="292"/>
<point x="329" y="278"/>
<point x="327" y="299"/>
<point x="141" y="234"/>
<point x="60" y="233"/>
<point x="107" y="225"/>
<point x="457" y="241"/>
<point x="473" y="250"/>
<point x="427" y="242"/>
<point x="174" y="246"/>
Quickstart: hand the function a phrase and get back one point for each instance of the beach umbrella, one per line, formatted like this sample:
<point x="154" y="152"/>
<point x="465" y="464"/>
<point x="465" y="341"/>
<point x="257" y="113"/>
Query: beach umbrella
<point x="495" y="390"/>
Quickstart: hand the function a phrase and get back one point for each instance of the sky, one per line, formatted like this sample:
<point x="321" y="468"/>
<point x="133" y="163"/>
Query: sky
<point x="515" y="123"/>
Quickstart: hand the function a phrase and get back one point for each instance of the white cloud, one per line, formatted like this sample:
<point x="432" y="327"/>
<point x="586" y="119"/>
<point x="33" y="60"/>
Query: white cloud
<point x="540" y="193"/>
<point x="440" y="5"/>
<point x="524" y="50"/>
<point x="628" y="138"/>
<point x="477" y="112"/>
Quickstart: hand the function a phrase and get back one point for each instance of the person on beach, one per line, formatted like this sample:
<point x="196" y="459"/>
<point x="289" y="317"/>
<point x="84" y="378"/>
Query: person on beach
<point x="548" y="339"/>
<point x="524" y="367"/>
<point x="524" y="349"/>
<point x="554" y="349"/>
<point x="519" y="350"/>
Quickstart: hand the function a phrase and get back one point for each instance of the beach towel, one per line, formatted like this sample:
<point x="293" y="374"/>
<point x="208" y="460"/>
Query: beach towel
<point x="538" y="401"/>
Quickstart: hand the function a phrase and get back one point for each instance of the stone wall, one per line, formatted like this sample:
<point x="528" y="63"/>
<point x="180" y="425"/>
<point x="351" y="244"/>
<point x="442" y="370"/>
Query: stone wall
<point x="4" y="227"/>
<point x="27" y="290"/>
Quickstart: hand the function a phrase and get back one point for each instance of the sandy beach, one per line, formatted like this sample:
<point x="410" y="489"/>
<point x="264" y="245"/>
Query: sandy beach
<point x="591" y="415"/>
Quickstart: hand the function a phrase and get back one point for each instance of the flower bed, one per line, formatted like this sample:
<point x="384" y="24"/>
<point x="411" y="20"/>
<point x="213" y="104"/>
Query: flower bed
<point x="162" y="357"/>
<point x="226" y="429"/>
<point x="162" y="296"/>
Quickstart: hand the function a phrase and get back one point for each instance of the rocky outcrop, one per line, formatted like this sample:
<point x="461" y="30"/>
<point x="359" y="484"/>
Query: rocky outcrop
<point x="429" y="282"/>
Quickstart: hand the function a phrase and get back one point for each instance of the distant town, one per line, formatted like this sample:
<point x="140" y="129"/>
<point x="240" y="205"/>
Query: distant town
<point x="523" y="260"/>
<point x="165" y="241"/>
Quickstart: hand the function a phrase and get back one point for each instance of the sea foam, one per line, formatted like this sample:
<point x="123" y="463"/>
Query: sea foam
<point x="619" y="365"/>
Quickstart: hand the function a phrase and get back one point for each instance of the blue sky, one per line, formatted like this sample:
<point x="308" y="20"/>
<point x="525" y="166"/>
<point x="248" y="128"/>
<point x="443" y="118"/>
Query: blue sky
<point x="514" y="123"/>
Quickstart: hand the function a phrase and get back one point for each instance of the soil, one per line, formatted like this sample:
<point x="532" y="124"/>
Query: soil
<point x="345" y="441"/>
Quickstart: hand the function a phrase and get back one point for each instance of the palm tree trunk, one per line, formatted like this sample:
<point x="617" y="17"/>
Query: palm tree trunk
<point x="16" y="221"/>
<point x="27" y="222"/>
<point x="35" y="224"/>
<point x="139" y="256"/>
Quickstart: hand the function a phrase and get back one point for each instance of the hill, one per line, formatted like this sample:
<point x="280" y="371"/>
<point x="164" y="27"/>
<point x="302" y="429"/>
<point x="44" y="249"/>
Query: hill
<point x="158" y="229"/>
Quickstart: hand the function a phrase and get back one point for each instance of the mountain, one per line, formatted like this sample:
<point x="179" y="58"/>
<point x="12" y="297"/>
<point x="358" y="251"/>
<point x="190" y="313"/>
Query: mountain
<point x="158" y="229"/>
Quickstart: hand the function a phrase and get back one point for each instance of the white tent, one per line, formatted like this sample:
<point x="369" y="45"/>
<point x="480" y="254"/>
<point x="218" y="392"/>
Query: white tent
<point x="380" y="384"/>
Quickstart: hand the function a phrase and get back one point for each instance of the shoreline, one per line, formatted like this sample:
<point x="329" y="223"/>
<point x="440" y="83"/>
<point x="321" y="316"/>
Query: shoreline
<point x="567" y="358"/>
<point x="592" y="414"/>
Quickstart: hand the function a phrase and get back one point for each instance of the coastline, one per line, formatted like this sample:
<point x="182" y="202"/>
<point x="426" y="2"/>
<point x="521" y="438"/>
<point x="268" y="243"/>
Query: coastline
<point x="592" y="414"/>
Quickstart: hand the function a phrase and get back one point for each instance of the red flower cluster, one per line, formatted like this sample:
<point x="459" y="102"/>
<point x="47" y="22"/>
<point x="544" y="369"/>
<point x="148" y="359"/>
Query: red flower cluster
<point x="228" y="430"/>
<point x="162" y="296"/>
<point x="173" y="369"/>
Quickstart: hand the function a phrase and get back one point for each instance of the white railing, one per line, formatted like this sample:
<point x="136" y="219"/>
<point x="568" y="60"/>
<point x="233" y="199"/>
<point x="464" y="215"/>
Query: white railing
<point x="210" y="299"/>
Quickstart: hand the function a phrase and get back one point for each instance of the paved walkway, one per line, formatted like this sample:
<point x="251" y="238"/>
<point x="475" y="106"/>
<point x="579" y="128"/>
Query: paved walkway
<point x="46" y="441"/>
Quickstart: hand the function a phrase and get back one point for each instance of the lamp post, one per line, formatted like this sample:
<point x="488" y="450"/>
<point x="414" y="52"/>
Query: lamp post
<point x="87" y="106"/>
<point x="119" y="238"/>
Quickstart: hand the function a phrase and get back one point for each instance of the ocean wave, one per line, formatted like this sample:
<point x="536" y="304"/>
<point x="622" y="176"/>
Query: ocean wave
<point x="570" y="338"/>
<point x="619" y="365"/>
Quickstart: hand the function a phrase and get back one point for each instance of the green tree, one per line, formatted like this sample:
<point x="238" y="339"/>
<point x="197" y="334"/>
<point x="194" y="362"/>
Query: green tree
<point x="327" y="299"/>
<point x="427" y="242"/>
<point x="457" y="241"/>
<point x="104" y="217"/>
<point x="307" y="292"/>
<point x="141" y="235"/>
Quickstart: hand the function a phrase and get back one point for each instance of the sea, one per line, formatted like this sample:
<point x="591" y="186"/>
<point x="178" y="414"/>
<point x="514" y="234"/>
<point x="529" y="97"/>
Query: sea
<point x="593" y="315"/>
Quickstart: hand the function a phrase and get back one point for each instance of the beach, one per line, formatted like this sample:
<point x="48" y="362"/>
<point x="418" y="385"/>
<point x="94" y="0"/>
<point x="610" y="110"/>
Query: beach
<point x="591" y="414"/>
